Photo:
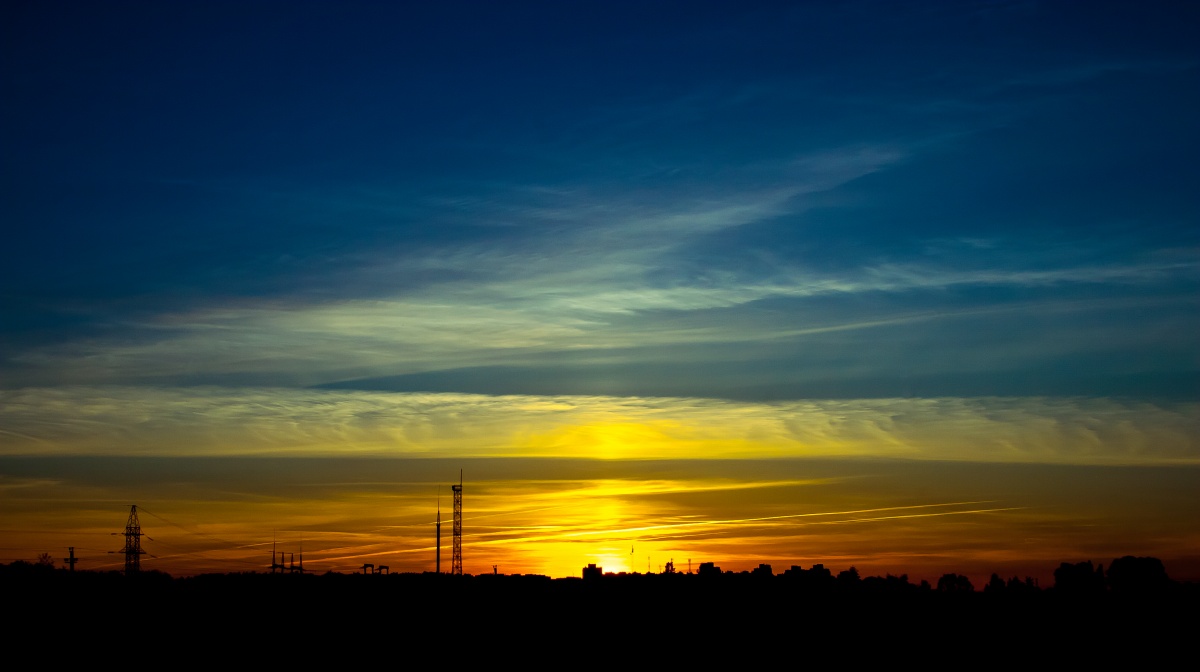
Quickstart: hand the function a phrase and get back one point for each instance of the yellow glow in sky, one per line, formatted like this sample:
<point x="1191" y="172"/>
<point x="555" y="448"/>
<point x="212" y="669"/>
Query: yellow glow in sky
<point x="553" y="516"/>
<point x="915" y="486"/>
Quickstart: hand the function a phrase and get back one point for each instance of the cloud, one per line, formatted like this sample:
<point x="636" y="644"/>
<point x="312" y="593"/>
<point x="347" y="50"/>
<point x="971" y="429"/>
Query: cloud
<point x="596" y="270"/>
<point x="561" y="316"/>
<point x="216" y="421"/>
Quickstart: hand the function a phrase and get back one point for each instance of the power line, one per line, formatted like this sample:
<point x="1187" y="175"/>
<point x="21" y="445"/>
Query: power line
<point x="198" y="534"/>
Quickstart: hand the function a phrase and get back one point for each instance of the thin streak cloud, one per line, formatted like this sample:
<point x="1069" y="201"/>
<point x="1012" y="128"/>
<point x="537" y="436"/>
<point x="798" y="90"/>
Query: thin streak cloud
<point x="627" y="533"/>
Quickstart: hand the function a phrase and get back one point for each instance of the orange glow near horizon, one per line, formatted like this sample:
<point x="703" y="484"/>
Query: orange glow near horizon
<point x="554" y="517"/>
<point x="901" y="486"/>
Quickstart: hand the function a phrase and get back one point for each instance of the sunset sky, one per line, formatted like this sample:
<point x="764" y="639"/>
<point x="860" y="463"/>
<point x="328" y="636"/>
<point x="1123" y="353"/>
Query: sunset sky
<point x="912" y="287"/>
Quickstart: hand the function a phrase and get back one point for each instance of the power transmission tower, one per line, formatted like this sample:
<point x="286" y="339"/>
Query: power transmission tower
<point x="133" y="543"/>
<point x="456" y="548"/>
<point x="72" y="559"/>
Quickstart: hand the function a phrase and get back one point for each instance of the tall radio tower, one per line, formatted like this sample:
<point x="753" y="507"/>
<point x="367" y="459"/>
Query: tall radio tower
<point x="133" y="543"/>
<point x="456" y="548"/>
<point x="437" y="567"/>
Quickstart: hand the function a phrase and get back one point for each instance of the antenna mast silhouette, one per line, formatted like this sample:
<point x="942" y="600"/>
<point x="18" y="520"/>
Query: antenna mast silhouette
<point x="276" y="564"/>
<point x="133" y="543"/>
<point x="456" y="547"/>
<point x="437" y="567"/>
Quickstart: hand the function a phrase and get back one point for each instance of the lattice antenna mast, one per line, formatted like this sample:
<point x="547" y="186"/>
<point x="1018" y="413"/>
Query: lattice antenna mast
<point x="437" y="567"/>
<point x="133" y="543"/>
<point x="456" y="548"/>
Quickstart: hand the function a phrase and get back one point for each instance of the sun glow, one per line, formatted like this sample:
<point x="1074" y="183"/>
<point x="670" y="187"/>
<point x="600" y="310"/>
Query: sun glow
<point x="649" y="439"/>
<point x="556" y="516"/>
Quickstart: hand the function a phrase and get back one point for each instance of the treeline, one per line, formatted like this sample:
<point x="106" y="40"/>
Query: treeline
<point x="314" y="616"/>
<point x="1126" y="575"/>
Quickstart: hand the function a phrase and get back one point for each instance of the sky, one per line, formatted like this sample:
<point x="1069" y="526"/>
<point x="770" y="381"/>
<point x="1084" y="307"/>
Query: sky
<point x="905" y="286"/>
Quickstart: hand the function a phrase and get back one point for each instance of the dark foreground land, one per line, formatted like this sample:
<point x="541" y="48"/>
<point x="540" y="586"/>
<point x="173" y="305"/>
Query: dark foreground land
<point x="332" y="618"/>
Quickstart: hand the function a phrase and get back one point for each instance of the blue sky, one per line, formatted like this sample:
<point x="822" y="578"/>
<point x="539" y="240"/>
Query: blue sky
<point x="775" y="201"/>
<point x="934" y="230"/>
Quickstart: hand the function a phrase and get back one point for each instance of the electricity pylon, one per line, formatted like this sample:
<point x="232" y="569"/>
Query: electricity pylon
<point x="133" y="543"/>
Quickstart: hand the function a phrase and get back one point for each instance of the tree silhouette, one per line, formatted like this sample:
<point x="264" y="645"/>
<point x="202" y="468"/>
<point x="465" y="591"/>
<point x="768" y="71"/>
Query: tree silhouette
<point x="1018" y="586"/>
<point x="1137" y="575"/>
<point x="995" y="585"/>
<point x="954" y="583"/>
<point x="1079" y="578"/>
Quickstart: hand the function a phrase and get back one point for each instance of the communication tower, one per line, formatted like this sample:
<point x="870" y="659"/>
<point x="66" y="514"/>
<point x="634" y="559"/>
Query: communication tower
<point x="456" y="547"/>
<point x="437" y="567"/>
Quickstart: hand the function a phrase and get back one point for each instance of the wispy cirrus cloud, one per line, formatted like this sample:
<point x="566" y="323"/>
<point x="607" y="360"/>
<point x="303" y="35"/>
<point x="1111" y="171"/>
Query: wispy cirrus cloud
<point x="586" y="267"/>
<point x="570" y="313"/>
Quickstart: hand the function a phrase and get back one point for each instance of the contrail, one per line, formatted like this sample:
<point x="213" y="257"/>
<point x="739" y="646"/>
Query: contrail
<point x="743" y="521"/>
<point x="22" y="436"/>
<point x="481" y="538"/>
